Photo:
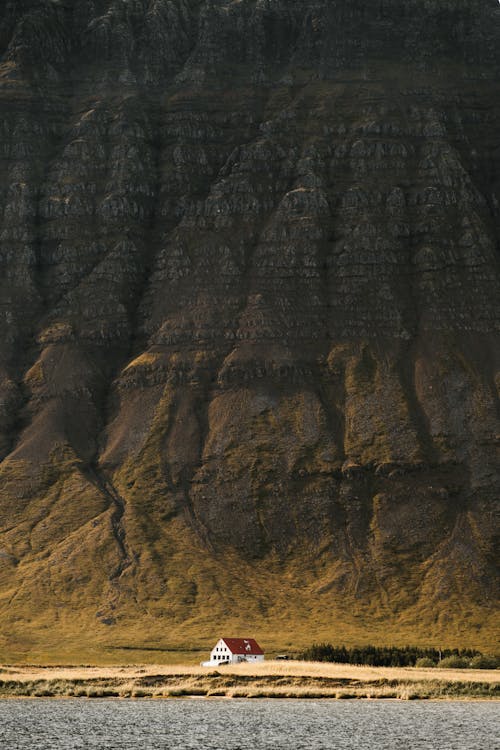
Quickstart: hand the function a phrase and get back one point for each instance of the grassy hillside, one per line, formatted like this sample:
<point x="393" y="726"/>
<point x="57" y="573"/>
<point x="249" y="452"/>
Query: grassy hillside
<point x="249" y="324"/>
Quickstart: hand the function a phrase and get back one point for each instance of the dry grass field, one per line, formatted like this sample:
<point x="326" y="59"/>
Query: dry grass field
<point x="272" y="679"/>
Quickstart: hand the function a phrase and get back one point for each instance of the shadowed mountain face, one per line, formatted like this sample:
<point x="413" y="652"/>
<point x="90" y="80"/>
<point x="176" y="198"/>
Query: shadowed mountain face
<point x="249" y="319"/>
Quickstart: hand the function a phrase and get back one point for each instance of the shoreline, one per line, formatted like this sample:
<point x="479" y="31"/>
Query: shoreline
<point x="271" y="680"/>
<point x="214" y="699"/>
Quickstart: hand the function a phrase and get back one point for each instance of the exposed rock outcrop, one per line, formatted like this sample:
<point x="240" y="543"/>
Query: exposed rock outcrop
<point x="249" y="318"/>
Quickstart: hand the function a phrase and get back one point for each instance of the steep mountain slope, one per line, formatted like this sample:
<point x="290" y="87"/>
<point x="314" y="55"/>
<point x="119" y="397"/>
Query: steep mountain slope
<point x="249" y="321"/>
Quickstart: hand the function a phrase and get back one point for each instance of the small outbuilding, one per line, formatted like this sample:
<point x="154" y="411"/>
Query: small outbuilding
<point x="234" y="651"/>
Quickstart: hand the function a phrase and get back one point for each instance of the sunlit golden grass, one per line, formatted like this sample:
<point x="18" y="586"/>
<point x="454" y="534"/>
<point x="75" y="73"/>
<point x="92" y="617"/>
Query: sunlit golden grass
<point x="286" y="608"/>
<point x="189" y="641"/>
<point x="271" y="679"/>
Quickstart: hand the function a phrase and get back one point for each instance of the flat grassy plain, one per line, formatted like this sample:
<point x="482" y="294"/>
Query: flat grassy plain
<point x="271" y="679"/>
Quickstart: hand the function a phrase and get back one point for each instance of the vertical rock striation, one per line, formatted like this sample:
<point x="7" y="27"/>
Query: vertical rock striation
<point x="249" y="318"/>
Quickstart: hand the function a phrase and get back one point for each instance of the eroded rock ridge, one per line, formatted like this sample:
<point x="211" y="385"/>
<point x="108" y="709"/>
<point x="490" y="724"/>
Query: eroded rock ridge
<point x="249" y="316"/>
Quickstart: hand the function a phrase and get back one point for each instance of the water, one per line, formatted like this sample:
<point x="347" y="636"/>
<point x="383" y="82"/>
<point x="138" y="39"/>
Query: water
<point x="247" y="725"/>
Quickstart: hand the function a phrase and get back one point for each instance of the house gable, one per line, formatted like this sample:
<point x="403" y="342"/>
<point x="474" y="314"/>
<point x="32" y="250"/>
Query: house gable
<point x="234" y="651"/>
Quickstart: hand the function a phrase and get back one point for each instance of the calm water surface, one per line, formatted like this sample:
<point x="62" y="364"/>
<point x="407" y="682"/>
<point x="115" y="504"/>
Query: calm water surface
<point x="247" y="725"/>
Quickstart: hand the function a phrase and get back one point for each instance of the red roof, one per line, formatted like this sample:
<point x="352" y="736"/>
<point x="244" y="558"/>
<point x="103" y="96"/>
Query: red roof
<point x="243" y="646"/>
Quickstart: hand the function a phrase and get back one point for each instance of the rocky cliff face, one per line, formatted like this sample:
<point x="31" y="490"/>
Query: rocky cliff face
<point x="249" y="319"/>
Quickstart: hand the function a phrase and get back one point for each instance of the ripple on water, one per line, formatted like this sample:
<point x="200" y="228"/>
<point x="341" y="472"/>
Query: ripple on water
<point x="247" y="725"/>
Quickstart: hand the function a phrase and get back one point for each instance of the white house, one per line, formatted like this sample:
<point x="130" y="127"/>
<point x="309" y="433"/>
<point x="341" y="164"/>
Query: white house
<point x="233" y="651"/>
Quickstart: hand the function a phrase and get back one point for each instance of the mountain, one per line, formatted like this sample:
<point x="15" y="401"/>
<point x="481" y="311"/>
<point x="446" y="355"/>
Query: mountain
<point x="249" y="322"/>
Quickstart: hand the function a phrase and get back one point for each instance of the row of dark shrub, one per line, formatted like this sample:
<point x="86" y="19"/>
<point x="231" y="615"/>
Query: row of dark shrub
<point x="394" y="656"/>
